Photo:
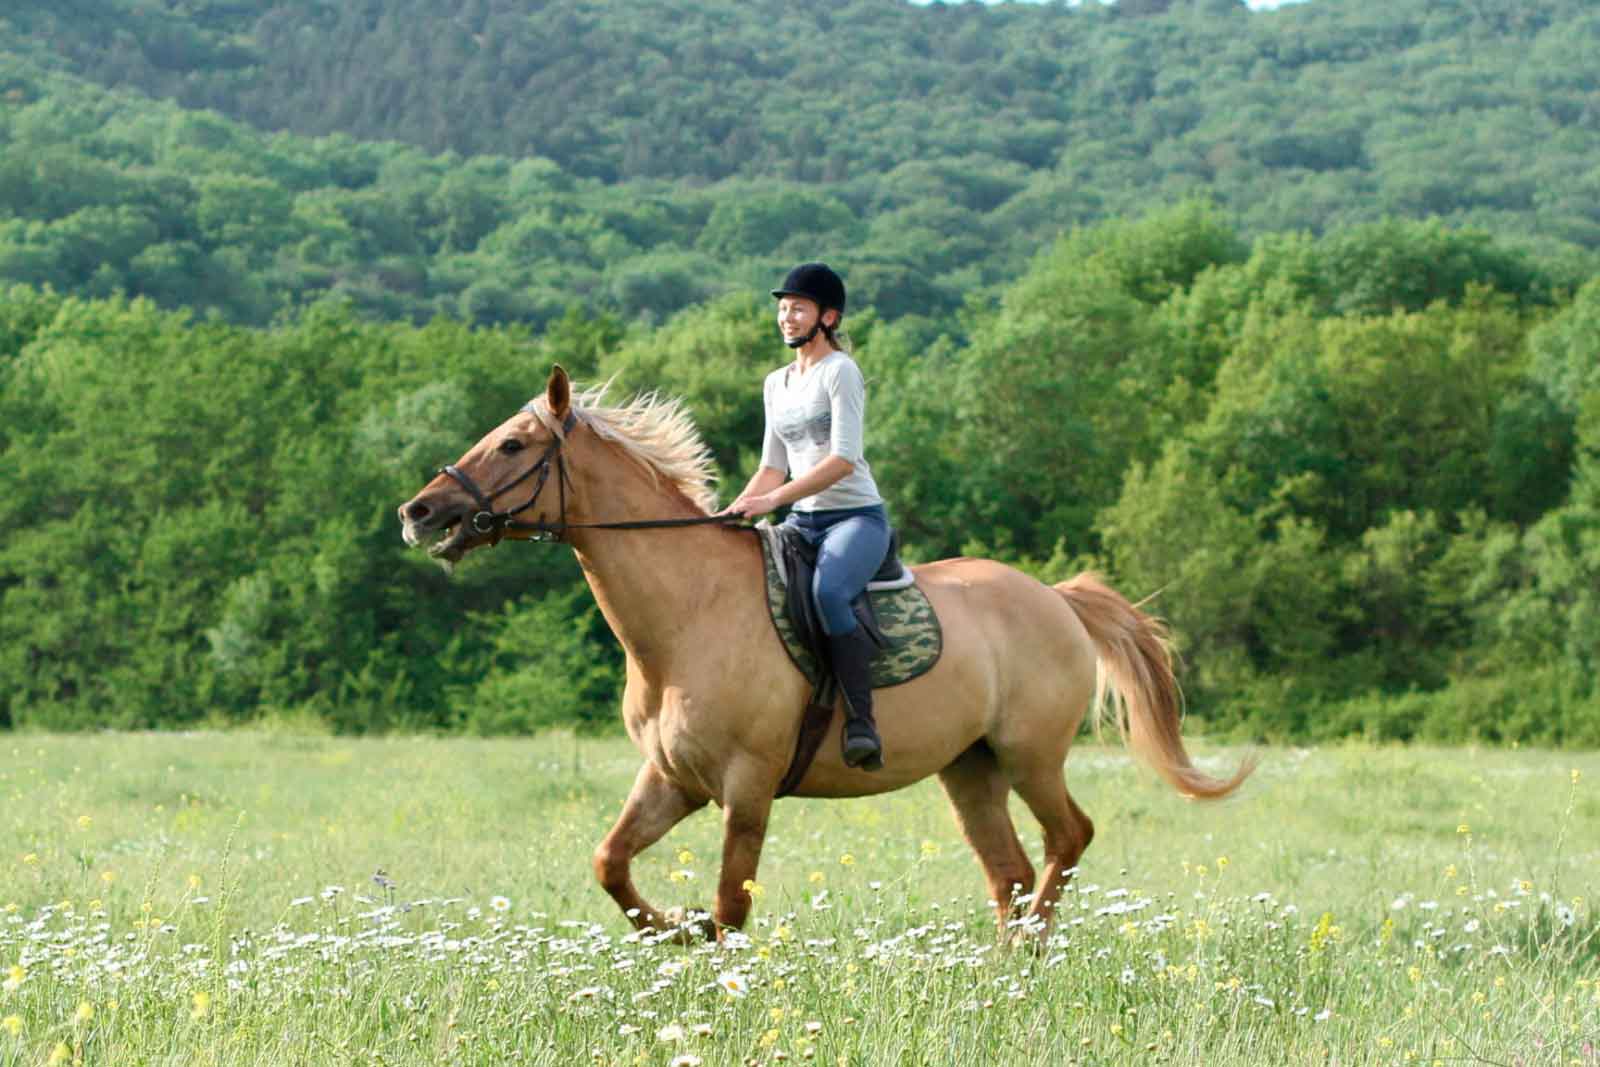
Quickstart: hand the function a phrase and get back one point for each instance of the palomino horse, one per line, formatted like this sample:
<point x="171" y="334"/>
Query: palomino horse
<point x="713" y="703"/>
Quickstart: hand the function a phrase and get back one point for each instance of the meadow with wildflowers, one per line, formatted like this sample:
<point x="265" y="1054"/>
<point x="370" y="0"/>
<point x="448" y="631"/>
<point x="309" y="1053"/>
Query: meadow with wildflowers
<point x="264" y="898"/>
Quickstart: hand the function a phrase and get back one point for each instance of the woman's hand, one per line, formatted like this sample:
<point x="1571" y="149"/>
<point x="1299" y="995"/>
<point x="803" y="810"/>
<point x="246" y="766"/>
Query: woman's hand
<point x="752" y="505"/>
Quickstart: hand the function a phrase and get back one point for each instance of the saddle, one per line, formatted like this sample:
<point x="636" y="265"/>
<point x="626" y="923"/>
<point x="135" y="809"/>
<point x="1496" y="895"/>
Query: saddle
<point x="895" y="612"/>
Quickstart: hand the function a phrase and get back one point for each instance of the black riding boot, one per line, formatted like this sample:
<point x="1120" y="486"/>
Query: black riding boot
<point x="852" y="655"/>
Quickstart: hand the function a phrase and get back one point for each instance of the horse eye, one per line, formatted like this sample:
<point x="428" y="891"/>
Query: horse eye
<point x="511" y="444"/>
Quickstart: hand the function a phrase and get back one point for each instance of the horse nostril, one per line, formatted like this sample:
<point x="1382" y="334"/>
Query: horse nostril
<point x="417" y="511"/>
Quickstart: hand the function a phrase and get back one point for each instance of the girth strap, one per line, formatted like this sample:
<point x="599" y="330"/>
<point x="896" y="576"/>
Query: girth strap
<point x="814" y="724"/>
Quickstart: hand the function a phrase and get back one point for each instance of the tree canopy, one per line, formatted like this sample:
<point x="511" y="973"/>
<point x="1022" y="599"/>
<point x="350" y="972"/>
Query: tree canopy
<point x="1288" y="320"/>
<point x="501" y="159"/>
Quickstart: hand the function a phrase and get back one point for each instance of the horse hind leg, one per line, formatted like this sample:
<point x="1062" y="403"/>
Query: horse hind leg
<point x="1067" y="833"/>
<point x="978" y="792"/>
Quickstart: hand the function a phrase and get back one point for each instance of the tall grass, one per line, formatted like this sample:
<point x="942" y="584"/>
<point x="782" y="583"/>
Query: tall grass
<point x="249" y="898"/>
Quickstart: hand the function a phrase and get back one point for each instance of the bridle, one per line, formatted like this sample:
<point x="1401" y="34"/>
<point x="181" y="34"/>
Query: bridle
<point x="494" y="524"/>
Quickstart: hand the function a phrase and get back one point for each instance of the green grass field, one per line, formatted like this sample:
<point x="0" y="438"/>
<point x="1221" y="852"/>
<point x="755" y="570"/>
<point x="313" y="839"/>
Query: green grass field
<point x="210" y="899"/>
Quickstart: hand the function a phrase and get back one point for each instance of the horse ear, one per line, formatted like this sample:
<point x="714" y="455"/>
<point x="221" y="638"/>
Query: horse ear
<point x="558" y="393"/>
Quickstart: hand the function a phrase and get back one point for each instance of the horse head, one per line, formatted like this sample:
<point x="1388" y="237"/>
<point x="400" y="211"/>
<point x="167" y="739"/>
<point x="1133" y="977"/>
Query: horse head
<point x="512" y="483"/>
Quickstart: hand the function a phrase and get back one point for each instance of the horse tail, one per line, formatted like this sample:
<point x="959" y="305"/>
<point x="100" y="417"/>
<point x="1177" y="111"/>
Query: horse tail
<point x="1135" y="681"/>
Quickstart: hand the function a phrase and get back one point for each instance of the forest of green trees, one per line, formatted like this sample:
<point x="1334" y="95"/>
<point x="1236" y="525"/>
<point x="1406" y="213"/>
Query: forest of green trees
<point x="641" y="157"/>
<point x="1292" y="318"/>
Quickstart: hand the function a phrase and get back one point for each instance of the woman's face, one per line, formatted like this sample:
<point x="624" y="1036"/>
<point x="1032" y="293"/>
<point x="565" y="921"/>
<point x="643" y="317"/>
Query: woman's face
<point x="796" y="316"/>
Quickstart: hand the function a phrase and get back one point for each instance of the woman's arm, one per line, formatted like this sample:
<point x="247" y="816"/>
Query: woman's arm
<point x="767" y="491"/>
<point x="762" y="482"/>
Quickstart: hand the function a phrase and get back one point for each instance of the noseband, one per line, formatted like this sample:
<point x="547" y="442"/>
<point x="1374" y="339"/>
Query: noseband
<point x="494" y="524"/>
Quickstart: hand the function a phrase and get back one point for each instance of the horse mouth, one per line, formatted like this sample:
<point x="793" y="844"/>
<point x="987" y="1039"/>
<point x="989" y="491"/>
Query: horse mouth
<point x="452" y="544"/>
<point x="445" y="543"/>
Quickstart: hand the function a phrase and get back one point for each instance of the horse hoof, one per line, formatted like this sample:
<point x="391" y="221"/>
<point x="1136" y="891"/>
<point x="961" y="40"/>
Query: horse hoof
<point x="689" y="926"/>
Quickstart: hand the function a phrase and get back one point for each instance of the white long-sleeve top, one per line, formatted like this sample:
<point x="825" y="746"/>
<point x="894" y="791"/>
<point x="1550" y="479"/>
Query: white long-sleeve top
<point x="816" y="414"/>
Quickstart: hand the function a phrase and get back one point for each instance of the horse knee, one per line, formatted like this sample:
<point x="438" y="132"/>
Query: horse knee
<point x="611" y="867"/>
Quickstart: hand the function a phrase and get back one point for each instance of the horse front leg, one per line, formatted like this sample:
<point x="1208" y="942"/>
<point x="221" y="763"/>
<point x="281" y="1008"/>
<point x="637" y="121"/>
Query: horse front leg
<point x="744" y="831"/>
<point x="654" y="806"/>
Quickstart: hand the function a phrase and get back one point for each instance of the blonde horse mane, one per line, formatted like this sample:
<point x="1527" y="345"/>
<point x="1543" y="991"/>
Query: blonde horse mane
<point x="654" y="431"/>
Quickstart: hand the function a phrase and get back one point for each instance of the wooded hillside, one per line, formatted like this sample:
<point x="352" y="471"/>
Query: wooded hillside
<point x="1363" y="472"/>
<point x="641" y="157"/>
<point x="1342" y="411"/>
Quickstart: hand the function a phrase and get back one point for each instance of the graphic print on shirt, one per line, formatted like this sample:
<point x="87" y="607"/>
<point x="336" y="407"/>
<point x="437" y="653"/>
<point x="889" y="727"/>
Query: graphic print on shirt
<point x="805" y="424"/>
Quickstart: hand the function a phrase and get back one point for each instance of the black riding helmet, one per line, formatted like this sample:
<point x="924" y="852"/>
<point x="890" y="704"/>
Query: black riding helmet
<point x="816" y="282"/>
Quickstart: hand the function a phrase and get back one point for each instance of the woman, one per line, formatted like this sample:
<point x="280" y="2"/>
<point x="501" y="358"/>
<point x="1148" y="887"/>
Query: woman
<point x="811" y="459"/>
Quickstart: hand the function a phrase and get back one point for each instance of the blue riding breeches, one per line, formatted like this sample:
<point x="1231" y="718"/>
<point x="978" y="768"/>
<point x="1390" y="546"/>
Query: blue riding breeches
<point x="850" y="544"/>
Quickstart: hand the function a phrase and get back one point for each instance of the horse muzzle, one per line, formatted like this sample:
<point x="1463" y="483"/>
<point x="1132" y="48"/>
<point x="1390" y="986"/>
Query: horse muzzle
<point x="448" y="532"/>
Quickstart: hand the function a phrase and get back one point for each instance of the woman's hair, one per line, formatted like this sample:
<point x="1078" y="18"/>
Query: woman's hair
<point x="841" y="339"/>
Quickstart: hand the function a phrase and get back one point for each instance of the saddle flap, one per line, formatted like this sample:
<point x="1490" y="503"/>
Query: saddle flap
<point x="912" y="638"/>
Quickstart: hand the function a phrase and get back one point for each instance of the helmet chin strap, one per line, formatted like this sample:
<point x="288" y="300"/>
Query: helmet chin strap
<point x="801" y="342"/>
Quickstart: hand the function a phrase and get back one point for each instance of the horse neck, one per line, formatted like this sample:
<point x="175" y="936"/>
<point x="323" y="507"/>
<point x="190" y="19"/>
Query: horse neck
<point x="659" y="590"/>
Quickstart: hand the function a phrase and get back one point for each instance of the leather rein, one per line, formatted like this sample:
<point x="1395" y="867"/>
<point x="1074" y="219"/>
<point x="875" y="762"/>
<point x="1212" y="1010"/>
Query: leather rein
<point x="494" y="524"/>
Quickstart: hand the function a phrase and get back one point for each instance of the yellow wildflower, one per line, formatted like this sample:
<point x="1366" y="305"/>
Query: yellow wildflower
<point x="84" y="1013"/>
<point x="84" y="821"/>
<point x="60" y="1054"/>
<point x="847" y="860"/>
<point x="200" y="1004"/>
<point x="13" y="1024"/>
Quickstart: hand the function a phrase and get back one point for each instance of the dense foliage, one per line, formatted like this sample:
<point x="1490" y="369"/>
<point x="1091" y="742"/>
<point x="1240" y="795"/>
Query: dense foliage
<point x="1364" y="472"/>
<point x="1357" y="453"/>
<point x="641" y="157"/>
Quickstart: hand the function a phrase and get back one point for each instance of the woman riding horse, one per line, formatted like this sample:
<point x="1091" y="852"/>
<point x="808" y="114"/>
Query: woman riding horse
<point x="713" y="702"/>
<point x="812" y="460"/>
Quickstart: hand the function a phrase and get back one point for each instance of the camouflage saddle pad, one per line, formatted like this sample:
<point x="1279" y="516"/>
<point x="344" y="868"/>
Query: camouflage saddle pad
<point x="905" y="618"/>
